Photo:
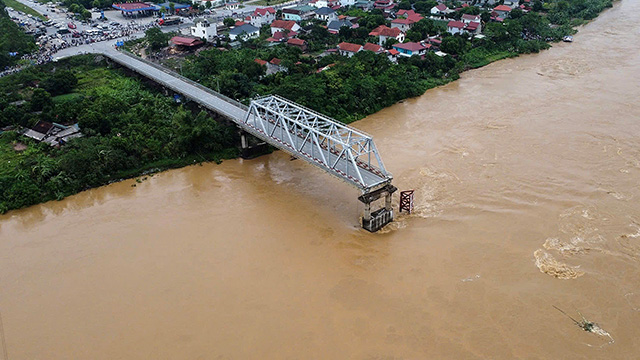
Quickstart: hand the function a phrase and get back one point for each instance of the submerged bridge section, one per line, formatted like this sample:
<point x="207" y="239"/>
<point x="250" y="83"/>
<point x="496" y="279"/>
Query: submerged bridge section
<point x="338" y="149"/>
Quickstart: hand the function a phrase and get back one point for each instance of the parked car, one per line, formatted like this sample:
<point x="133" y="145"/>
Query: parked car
<point x="71" y="25"/>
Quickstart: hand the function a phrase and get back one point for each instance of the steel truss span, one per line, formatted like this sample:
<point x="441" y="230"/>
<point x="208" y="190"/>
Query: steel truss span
<point x="338" y="149"/>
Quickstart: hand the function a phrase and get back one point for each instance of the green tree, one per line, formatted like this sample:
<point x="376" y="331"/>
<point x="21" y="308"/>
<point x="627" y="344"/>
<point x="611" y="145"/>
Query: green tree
<point x="455" y="45"/>
<point x="40" y="100"/>
<point x="228" y="22"/>
<point x="156" y="38"/>
<point x="61" y="82"/>
<point x="404" y="5"/>
<point x="388" y="44"/>
<point x="172" y="7"/>
<point x="516" y="13"/>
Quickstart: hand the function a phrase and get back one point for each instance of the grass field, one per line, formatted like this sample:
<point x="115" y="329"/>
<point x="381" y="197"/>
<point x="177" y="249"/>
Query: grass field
<point x="24" y="8"/>
<point x="491" y="58"/>
<point x="9" y="157"/>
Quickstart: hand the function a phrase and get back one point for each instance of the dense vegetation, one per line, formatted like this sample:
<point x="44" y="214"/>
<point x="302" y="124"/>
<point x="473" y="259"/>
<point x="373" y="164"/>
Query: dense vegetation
<point x="129" y="129"/>
<point x="12" y="40"/>
<point x="352" y="88"/>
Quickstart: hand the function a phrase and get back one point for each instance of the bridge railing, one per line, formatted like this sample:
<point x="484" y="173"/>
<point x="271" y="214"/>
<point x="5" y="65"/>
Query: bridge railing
<point x="187" y="80"/>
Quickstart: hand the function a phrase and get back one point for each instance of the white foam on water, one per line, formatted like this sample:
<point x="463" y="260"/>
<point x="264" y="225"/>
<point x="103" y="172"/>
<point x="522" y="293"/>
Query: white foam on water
<point x="550" y="266"/>
<point x="471" y="278"/>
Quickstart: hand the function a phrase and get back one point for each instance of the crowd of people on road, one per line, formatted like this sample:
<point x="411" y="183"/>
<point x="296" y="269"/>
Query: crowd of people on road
<point x="49" y="45"/>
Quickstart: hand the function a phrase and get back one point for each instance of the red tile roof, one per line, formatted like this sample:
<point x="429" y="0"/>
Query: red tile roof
<point x="297" y="42"/>
<point x="345" y="46"/>
<point x="260" y="62"/>
<point x="471" y="17"/>
<point x="415" y="17"/>
<point x="279" y="35"/>
<point x="405" y="12"/>
<point x="384" y="30"/>
<point x="283" y="24"/>
<point x="186" y="41"/>
<point x="240" y="23"/>
<point x="473" y="26"/>
<point x="394" y="52"/>
<point x="275" y="61"/>
<point x="132" y="6"/>
<point x="402" y="21"/>
<point x="455" y="24"/>
<point x="441" y="7"/>
<point x="502" y="8"/>
<point x="411" y="46"/>
<point x="372" y="47"/>
<point x="263" y="11"/>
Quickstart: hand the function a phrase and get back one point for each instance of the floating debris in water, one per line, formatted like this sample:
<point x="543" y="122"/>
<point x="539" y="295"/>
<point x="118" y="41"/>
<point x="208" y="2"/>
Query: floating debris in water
<point x="588" y="326"/>
<point x="471" y="278"/>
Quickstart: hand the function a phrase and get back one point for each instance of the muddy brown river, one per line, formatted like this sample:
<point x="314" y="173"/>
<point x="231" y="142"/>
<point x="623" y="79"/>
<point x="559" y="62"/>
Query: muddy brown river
<point x="527" y="179"/>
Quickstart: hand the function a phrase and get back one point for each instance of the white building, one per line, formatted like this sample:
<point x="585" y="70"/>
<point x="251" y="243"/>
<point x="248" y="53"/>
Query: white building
<point x="262" y="16"/>
<point x="440" y="11"/>
<point x="214" y="3"/>
<point x="204" y="28"/>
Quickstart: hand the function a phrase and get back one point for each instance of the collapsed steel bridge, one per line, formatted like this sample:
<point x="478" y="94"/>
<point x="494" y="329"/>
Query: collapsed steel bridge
<point x="340" y="150"/>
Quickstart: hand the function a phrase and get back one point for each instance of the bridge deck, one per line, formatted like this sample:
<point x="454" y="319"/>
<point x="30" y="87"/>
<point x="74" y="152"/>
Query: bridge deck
<point x="365" y="177"/>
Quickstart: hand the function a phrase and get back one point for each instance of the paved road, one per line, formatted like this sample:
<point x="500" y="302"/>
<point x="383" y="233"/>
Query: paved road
<point x="191" y="90"/>
<point x="235" y="112"/>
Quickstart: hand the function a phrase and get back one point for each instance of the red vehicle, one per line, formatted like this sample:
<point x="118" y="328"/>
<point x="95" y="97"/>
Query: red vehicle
<point x="169" y="21"/>
<point x="71" y="25"/>
<point x="75" y="34"/>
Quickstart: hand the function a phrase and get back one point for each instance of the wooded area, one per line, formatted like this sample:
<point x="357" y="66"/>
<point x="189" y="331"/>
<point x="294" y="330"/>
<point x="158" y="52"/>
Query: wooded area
<point x="128" y="128"/>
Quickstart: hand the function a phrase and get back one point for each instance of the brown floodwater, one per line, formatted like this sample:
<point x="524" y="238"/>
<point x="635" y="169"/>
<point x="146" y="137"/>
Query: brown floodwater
<point x="527" y="179"/>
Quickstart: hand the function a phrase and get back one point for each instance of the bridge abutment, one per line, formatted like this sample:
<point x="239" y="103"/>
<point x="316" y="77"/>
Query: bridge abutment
<point x="251" y="147"/>
<point x="376" y="220"/>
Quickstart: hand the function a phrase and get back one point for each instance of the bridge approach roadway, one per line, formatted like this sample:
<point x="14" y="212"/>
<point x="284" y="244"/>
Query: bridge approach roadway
<point x="336" y="148"/>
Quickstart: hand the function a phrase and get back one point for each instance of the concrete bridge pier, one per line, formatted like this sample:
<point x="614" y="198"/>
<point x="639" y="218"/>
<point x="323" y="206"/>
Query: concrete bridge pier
<point x="251" y="147"/>
<point x="374" y="221"/>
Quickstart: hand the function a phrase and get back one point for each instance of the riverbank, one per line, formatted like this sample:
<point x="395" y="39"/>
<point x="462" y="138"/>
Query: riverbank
<point x="349" y="89"/>
<point x="265" y="259"/>
<point x="128" y="130"/>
